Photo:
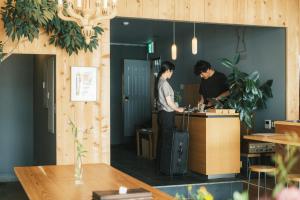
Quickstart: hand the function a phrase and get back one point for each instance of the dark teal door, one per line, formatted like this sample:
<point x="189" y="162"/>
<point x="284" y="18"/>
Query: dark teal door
<point x="136" y="95"/>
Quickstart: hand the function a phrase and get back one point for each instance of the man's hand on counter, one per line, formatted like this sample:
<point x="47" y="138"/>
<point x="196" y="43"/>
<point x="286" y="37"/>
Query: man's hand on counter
<point x="180" y="109"/>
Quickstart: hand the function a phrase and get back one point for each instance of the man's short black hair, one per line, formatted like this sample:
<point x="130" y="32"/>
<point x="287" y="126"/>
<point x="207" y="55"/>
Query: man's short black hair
<point x="201" y="66"/>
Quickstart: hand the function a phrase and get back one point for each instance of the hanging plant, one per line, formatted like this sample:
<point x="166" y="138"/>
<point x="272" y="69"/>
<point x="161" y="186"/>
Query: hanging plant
<point x="25" y="18"/>
<point x="68" y="35"/>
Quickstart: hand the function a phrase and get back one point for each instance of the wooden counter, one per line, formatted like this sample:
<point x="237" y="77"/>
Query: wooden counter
<point x="289" y="127"/>
<point x="214" y="145"/>
<point x="277" y="138"/>
<point x="57" y="182"/>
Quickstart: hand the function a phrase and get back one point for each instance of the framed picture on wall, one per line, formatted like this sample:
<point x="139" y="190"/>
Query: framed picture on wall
<point x="84" y="84"/>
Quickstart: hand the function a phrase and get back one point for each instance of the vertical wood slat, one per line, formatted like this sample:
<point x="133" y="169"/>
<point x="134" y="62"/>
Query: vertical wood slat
<point x="130" y="8"/>
<point x="219" y="11"/>
<point x="166" y="9"/>
<point x="122" y="8"/>
<point x="280" y="12"/>
<point x="150" y="8"/>
<point x="182" y="10"/>
<point x="254" y="12"/>
<point x="240" y="12"/>
<point x="292" y="67"/>
<point x="196" y="10"/>
<point x="266" y="12"/>
<point x="105" y="96"/>
<point x="267" y="7"/>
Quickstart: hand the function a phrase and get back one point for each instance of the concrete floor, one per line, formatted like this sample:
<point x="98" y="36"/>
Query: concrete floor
<point x="12" y="191"/>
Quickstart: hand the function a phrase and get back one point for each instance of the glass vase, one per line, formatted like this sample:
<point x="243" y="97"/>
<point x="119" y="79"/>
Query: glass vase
<point x="77" y="163"/>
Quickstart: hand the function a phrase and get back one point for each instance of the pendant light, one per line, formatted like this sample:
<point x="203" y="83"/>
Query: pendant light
<point x="194" y="42"/>
<point x="174" y="47"/>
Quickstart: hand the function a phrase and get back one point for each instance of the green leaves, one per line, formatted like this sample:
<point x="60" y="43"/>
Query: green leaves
<point x="227" y="63"/>
<point x="240" y="196"/>
<point x="266" y="93"/>
<point x="201" y="194"/>
<point x="254" y="76"/>
<point x="1" y="51"/>
<point x="246" y="93"/>
<point x="236" y="59"/>
<point x="67" y="35"/>
<point x="284" y="164"/>
<point x="25" y="18"/>
<point x="78" y="139"/>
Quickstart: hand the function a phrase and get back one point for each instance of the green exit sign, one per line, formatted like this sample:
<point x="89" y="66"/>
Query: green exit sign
<point x="150" y="47"/>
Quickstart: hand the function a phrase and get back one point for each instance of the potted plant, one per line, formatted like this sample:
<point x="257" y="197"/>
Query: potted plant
<point x="247" y="94"/>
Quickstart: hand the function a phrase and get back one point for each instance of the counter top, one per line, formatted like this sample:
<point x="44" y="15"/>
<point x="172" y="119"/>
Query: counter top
<point x="277" y="138"/>
<point x="288" y="122"/>
<point x="207" y="114"/>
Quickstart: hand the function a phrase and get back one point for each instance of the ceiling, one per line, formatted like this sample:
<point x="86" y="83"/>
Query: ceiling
<point x="141" y="31"/>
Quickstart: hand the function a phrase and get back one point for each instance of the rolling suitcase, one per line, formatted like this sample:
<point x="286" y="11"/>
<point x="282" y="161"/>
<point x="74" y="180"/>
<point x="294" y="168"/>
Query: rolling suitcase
<point x="174" y="160"/>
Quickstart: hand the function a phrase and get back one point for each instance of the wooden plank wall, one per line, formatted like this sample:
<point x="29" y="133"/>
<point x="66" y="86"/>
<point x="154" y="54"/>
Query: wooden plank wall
<point x="277" y="13"/>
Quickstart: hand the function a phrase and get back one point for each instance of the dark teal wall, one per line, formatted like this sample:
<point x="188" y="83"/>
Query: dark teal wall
<point x="265" y="53"/>
<point x="117" y="55"/>
<point x="185" y="59"/>
<point x="16" y="114"/>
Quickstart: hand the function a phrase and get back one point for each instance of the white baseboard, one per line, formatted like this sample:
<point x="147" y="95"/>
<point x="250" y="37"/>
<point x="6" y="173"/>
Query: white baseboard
<point x="8" y="178"/>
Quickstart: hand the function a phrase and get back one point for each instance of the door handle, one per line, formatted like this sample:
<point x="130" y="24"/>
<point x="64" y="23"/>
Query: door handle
<point x="126" y="98"/>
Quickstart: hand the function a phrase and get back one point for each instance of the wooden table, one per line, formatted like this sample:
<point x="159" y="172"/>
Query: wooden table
<point x="277" y="138"/>
<point x="57" y="182"/>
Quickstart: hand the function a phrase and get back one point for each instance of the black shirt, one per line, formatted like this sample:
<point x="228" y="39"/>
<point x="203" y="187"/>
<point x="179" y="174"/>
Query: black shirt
<point x="213" y="86"/>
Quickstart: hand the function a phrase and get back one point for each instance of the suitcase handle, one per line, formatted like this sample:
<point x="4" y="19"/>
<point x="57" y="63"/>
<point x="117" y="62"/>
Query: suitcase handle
<point x="188" y="120"/>
<point x="182" y="121"/>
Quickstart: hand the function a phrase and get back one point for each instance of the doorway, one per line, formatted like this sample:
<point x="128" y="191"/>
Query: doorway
<point x="136" y="95"/>
<point x="27" y="117"/>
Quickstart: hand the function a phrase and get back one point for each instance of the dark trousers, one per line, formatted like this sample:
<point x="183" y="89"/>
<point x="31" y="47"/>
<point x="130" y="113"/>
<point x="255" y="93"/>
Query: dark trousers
<point x="166" y="125"/>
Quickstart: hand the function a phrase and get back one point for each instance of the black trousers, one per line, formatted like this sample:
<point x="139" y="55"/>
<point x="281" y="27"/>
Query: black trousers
<point x="166" y="125"/>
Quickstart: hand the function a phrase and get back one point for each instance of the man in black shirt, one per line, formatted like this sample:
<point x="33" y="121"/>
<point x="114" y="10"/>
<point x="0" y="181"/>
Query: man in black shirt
<point x="213" y="83"/>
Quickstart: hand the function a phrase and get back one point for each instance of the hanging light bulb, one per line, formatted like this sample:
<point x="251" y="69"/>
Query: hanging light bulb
<point x="194" y="43"/>
<point x="174" y="51"/>
<point x="174" y="47"/>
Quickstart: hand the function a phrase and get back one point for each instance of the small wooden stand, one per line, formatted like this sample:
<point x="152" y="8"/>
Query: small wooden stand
<point x="136" y="194"/>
